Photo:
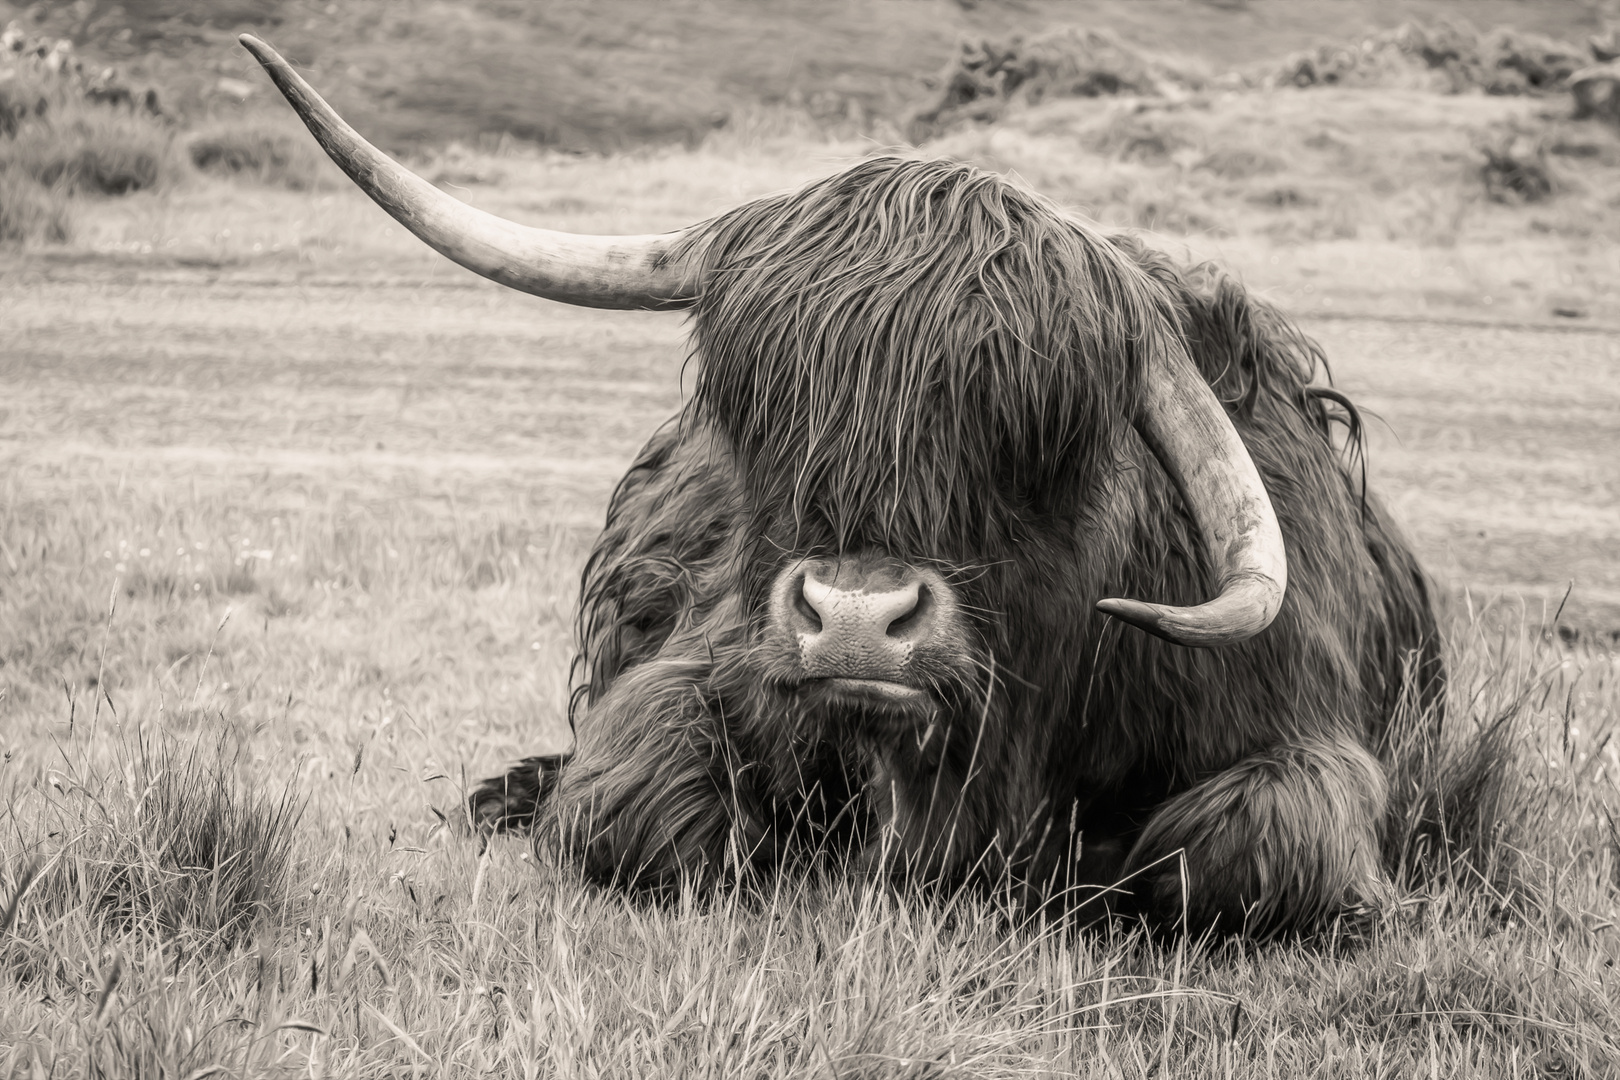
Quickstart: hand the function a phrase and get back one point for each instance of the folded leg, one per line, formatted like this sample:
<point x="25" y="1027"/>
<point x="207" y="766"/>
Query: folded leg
<point x="1284" y="839"/>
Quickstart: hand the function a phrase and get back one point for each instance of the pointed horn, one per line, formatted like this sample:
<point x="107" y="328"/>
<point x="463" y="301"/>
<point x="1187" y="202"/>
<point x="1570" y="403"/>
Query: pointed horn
<point x="591" y="271"/>
<point x="1189" y="432"/>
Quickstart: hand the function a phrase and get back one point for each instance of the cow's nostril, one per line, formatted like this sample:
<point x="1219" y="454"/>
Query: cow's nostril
<point x="806" y="610"/>
<point x="908" y="622"/>
<point x="816" y="598"/>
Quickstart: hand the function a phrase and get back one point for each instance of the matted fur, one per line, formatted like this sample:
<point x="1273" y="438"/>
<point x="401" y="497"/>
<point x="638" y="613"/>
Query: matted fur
<point x="923" y="360"/>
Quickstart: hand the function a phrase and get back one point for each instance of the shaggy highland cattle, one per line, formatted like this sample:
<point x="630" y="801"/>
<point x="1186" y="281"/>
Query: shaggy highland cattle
<point x="857" y="601"/>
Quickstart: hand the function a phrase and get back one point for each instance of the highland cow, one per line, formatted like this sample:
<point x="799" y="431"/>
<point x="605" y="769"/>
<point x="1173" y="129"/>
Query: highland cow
<point x="858" y="600"/>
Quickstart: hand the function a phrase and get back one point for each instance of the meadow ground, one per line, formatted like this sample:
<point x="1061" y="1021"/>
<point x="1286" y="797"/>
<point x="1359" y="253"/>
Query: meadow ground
<point x="293" y="516"/>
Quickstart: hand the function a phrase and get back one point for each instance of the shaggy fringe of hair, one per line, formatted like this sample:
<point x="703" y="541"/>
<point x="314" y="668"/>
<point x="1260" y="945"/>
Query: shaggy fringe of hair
<point x="911" y="354"/>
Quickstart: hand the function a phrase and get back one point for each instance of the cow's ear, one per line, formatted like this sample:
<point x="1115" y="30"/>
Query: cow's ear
<point x="574" y="268"/>
<point x="1189" y="432"/>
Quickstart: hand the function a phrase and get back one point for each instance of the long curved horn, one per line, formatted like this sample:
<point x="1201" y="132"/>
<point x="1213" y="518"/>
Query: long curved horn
<point x="1189" y="432"/>
<point x="591" y="271"/>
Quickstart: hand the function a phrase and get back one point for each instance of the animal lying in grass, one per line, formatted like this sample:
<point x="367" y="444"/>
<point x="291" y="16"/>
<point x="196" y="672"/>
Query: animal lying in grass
<point x="861" y="599"/>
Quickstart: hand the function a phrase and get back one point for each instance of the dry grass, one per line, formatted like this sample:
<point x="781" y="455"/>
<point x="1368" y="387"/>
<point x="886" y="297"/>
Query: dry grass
<point x="382" y="941"/>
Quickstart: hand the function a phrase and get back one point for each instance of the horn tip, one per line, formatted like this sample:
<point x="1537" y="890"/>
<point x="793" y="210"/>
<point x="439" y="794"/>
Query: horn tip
<point x="1226" y="620"/>
<point x="1142" y="616"/>
<point x="261" y="51"/>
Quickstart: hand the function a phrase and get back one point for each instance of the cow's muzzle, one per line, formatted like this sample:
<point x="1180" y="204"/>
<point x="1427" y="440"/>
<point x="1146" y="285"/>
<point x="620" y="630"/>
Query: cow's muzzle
<point x="865" y="626"/>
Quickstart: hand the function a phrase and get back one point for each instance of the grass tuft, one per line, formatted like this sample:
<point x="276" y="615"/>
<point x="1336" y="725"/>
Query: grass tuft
<point x="31" y="211"/>
<point x="1494" y="802"/>
<point x="1455" y="800"/>
<point x="269" y="152"/>
<point x="68" y="141"/>
<point x="184" y="844"/>
<point x="221" y="845"/>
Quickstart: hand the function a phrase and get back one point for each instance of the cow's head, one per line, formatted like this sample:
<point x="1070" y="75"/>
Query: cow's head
<point x="917" y="367"/>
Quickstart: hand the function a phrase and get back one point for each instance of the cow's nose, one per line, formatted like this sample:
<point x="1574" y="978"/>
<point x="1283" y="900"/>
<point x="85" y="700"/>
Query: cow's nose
<point x="856" y="622"/>
<point x="873" y="611"/>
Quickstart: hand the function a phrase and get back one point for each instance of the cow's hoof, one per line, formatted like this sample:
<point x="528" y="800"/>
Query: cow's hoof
<point x="511" y="802"/>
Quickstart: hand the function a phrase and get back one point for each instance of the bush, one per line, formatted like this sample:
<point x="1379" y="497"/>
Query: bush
<point x="98" y="154"/>
<point x="1515" y="167"/>
<point x="73" y="132"/>
<point x="264" y="152"/>
<point x="1447" y="56"/>
<point x="64" y="139"/>
<point x="1597" y="91"/>
<point x="983" y="79"/>
<point x="29" y="211"/>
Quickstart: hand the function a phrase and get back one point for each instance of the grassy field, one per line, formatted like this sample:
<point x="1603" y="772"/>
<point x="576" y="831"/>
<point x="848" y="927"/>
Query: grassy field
<point x="291" y="521"/>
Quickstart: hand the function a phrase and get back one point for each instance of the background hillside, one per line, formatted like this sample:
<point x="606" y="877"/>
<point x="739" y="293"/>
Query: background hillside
<point x="611" y="74"/>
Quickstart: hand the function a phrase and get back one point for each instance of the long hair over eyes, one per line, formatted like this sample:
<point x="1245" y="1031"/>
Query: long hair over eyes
<point x="918" y="355"/>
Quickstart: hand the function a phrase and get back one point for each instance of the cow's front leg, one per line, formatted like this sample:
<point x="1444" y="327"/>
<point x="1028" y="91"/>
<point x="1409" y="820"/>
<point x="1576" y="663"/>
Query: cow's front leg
<point x="649" y="797"/>
<point x="511" y="801"/>
<point x="1281" y="840"/>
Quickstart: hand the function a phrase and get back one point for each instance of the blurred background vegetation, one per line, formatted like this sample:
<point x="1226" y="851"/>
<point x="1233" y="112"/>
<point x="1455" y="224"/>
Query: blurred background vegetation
<point x="101" y="98"/>
<point x="615" y="74"/>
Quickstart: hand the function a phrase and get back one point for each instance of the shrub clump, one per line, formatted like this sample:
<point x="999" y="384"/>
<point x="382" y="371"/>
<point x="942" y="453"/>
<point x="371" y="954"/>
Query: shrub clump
<point x="71" y="130"/>
<point x="272" y="154"/>
<point x="1596" y="90"/>
<point x="95" y="154"/>
<point x="1515" y="168"/>
<point x="984" y="78"/>
<point x="31" y="211"/>
<point x="1449" y="57"/>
